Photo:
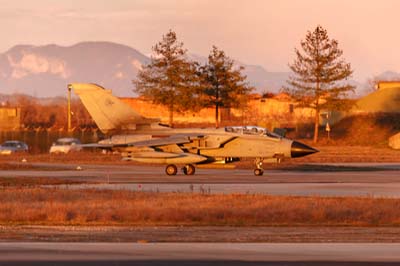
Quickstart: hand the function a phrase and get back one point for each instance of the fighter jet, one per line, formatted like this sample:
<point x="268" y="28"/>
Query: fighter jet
<point x="145" y="140"/>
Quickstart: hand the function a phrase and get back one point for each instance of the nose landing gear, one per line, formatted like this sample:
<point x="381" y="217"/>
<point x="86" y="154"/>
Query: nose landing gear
<point x="259" y="170"/>
<point x="189" y="169"/>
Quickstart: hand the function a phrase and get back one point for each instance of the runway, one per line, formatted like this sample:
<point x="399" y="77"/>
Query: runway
<point x="377" y="180"/>
<point x="16" y="253"/>
<point x="358" y="173"/>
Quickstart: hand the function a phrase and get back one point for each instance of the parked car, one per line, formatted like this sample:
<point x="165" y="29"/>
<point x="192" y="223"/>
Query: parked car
<point x="65" y="145"/>
<point x="13" y="146"/>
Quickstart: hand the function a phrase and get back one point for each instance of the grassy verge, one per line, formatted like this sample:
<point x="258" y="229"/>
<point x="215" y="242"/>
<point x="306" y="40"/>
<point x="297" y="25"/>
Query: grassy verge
<point x="74" y="157"/>
<point x="39" y="206"/>
<point x="7" y="182"/>
<point x="20" y="166"/>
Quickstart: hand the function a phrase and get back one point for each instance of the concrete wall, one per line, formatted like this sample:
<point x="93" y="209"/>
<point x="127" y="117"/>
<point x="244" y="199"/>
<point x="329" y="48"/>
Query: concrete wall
<point x="267" y="112"/>
<point x="150" y="110"/>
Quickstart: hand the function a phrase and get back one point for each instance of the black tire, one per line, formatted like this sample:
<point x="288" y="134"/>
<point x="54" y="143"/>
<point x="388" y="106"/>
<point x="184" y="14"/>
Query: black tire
<point x="171" y="169"/>
<point x="189" y="169"/>
<point x="258" y="172"/>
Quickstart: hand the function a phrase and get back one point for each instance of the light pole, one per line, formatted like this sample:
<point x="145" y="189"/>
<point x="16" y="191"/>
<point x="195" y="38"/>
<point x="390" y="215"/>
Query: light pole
<point x="69" y="109"/>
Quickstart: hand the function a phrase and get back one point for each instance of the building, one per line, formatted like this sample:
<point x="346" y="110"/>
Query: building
<point x="380" y="85"/>
<point x="10" y="118"/>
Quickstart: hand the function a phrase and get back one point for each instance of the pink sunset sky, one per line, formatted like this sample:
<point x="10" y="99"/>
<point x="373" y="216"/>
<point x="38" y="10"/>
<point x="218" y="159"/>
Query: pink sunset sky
<point x="254" y="32"/>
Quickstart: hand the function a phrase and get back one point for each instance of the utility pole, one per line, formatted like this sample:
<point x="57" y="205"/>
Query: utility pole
<point x="69" y="109"/>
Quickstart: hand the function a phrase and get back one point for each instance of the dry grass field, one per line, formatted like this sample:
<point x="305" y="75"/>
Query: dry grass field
<point x="85" y="157"/>
<point x="37" y="181"/>
<point x="47" y="206"/>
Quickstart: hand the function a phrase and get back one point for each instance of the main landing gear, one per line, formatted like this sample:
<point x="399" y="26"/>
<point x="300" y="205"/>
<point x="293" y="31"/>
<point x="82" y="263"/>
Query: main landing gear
<point x="171" y="169"/>
<point x="188" y="169"/>
<point x="259" y="170"/>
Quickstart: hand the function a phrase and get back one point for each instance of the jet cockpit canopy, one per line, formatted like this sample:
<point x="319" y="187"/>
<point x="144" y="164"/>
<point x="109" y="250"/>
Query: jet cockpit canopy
<point x="251" y="130"/>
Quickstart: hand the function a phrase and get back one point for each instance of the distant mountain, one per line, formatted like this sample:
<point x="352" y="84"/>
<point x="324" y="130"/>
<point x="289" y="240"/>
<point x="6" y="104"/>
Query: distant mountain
<point x="369" y="86"/>
<point x="388" y="76"/>
<point x="257" y="76"/>
<point x="265" y="81"/>
<point x="45" y="71"/>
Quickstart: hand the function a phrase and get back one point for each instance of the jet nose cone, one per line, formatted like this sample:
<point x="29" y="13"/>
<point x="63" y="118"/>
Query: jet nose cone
<point x="299" y="149"/>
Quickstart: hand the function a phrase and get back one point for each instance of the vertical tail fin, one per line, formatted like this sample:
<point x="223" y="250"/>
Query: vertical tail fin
<point x="109" y="112"/>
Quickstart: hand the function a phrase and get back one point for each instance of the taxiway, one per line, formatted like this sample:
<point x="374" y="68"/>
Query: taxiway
<point x="17" y="253"/>
<point x="378" y="180"/>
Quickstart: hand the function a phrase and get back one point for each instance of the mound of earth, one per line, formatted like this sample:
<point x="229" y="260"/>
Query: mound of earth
<point x="367" y="129"/>
<point x="384" y="100"/>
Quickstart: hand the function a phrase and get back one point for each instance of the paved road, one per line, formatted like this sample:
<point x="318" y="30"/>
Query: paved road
<point x="365" y="173"/>
<point x="378" y="183"/>
<point x="363" y="180"/>
<point x="197" y="254"/>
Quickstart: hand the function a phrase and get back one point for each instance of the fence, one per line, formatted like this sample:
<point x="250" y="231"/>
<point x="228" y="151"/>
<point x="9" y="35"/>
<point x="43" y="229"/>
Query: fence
<point x="39" y="141"/>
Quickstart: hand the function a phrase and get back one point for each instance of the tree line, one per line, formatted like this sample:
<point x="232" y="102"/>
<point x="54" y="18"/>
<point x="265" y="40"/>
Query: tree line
<point x="35" y="114"/>
<point x="318" y="79"/>
<point x="181" y="84"/>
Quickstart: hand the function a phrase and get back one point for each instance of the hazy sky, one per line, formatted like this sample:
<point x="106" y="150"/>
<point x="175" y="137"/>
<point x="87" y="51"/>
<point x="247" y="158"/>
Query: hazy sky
<point x="255" y="32"/>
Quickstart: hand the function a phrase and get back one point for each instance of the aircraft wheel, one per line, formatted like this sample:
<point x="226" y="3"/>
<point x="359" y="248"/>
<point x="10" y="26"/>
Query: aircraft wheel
<point x="171" y="169"/>
<point x="189" y="169"/>
<point x="258" y="172"/>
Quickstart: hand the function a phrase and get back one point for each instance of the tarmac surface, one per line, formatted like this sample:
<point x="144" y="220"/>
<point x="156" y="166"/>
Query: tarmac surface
<point x="18" y="253"/>
<point x="377" y="180"/>
<point x="380" y="180"/>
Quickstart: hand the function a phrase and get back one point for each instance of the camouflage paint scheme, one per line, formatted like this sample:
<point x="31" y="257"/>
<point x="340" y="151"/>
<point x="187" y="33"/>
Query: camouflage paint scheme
<point x="145" y="140"/>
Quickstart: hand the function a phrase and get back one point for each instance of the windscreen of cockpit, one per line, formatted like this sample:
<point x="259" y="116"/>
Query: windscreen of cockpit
<point x="251" y="130"/>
